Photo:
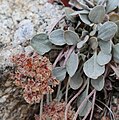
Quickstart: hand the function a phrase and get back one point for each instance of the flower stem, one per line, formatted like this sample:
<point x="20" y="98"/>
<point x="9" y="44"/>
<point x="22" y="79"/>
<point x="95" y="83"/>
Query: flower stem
<point x="56" y="24"/>
<point x="58" y="57"/>
<point x="93" y="104"/>
<point x="68" y="105"/>
<point x="58" y="92"/>
<point x="79" y="108"/>
<point x="48" y="98"/>
<point x="107" y="108"/>
<point x="41" y="108"/>
<point x="67" y="88"/>
<point x="68" y="55"/>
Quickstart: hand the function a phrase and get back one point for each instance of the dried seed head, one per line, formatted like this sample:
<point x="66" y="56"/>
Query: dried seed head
<point x="55" y="111"/>
<point x="34" y="75"/>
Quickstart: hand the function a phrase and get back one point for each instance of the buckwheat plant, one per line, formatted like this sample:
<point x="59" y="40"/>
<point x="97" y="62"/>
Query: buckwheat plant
<point x="34" y="75"/>
<point x="87" y="40"/>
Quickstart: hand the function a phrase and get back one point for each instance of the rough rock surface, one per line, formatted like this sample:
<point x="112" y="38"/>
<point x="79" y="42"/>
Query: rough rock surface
<point x="12" y="105"/>
<point x="20" y="20"/>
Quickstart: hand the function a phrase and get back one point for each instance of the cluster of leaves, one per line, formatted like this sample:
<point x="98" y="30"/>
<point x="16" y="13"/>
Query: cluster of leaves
<point x="89" y="48"/>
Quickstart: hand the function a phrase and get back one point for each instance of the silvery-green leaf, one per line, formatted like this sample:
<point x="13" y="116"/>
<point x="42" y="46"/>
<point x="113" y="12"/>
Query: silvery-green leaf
<point x="107" y="31"/>
<point x="41" y="43"/>
<point x="76" y="81"/>
<point x="71" y="37"/>
<point x="116" y="53"/>
<point x="68" y="12"/>
<point x="99" y="26"/>
<point x="97" y="14"/>
<point x="57" y="37"/>
<point x="111" y="5"/>
<point x="93" y="43"/>
<point x="72" y="64"/>
<point x="103" y="59"/>
<point x="80" y="12"/>
<point x="86" y="105"/>
<point x="85" y="19"/>
<point x="105" y="46"/>
<point x="92" y="69"/>
<point x="59" y="73"/>
<point x="98" y="84"/>
<point x="81" y="43"/>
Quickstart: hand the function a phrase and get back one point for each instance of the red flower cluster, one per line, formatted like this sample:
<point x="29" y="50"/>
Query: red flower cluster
<point x="34" y="75"/>
<point x="55" y="111"/>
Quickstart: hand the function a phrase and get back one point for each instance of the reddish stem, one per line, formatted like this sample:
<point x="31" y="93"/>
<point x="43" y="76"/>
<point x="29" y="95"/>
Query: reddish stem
<point x="93" y="104"/>
<point x="55" y="24"/>
<point x="68" y="105"/>
<point x="79" y="108"/>
<point x="68" y="55"/>
<point x="58" y="57"/>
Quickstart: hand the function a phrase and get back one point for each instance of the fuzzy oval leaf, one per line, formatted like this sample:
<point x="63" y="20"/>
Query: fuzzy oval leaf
<point x="111" y="5"/>
<point x="98" y="84"/>
<point x="41" y="43"/>
<point x="116" y="53"/>
<point x="68" y="12"/>
<point x="105" y="46"/>
<point x="59" y="73"/>
<point x="97" y="14"/>
<point x="92" y="69"/>
<point x="85" y="19"/>
<point x="72" y="64"/>
<point x="103" y="59"/>
<point x="76" y="81"/>
<point x="71" y="37"/>
<point x="57" y="37"/>
<point x="107" y="31"/>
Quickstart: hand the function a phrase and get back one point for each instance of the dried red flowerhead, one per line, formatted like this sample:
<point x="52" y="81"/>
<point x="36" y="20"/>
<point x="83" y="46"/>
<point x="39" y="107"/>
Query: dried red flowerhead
<point x="55" y="111"/>
<point x="33" y="74"/>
